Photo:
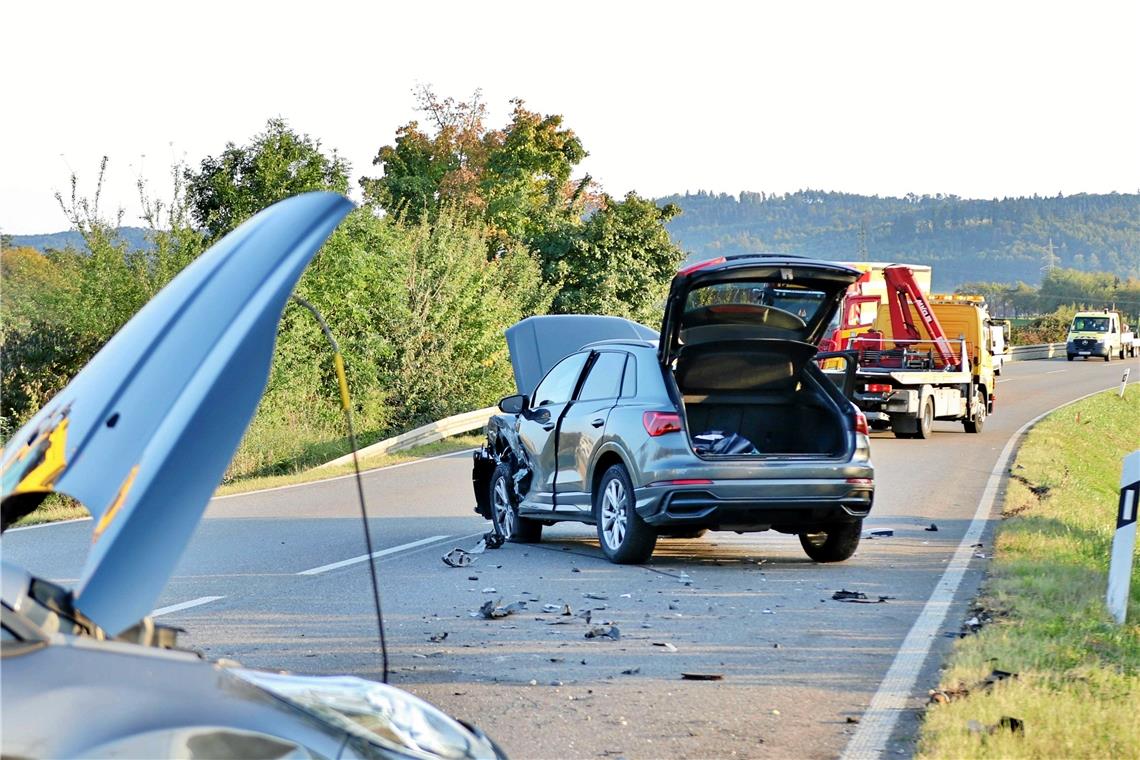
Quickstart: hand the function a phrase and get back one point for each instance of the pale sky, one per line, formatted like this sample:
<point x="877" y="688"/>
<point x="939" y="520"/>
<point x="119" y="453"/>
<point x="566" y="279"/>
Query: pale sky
<point x="979" y="99"/>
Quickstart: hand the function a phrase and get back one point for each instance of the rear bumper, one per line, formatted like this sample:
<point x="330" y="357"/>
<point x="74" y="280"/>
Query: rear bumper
<point x="751" y="505"/>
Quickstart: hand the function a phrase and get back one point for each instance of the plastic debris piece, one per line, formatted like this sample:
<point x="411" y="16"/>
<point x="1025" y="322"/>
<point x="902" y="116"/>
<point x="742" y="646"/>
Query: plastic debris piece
<point x="489" y="590"/>
<point x="551" y="608"/>
<point x="472" y="577"/>
<point x="665" y="645"/>
<point x="604" y="632"/>
<point x="703" y="676"/>
<point x="591" y="595"/>
<point x="932" y="529"/>
<point x="882" y="533"/>
<point x="857" y="597"/>
<point x="852" y="719"/>
<point x="437" y="637"/>
<point x="567" y="610"/>
<point x="575" y="570"/>
<point x="627" y="596"/>
<point x="459" y="558"/>
<point x="492" y="540"/>
<point x="767" y="611"/>
<point x="631" y="671"/>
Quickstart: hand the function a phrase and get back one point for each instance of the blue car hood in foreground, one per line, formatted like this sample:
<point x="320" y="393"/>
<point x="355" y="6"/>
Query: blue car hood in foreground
<point x="143" y="434"/>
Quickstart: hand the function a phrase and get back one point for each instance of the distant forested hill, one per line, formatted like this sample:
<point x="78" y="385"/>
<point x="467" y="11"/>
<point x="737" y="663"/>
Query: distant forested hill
<point x="135" y="237"/>
<point x="964" y="240"/>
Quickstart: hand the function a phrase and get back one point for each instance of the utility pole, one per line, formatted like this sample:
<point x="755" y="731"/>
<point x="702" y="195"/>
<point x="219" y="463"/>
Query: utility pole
<point x="862" y="250"/>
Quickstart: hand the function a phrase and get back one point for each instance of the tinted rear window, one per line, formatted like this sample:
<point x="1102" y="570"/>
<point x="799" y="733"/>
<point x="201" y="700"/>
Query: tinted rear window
<point x="753" y="302"/>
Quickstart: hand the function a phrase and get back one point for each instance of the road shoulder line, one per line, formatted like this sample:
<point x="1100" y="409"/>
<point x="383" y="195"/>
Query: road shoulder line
<point x="379" y="553"/>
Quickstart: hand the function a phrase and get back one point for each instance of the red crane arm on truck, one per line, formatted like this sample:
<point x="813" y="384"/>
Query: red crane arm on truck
<point x="902" y="290"/>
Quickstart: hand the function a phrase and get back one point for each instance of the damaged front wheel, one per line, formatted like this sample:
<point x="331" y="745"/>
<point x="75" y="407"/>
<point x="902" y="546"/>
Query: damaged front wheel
<point x="505" y="513"/>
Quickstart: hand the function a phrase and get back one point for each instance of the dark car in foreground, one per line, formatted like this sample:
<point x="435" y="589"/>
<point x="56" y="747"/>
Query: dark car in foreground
<point x="723" y="421"/>
<point x="142" y="437"/>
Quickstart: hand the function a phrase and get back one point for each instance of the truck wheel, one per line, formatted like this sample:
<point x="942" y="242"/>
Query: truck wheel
<point x="1069" y="357"/>
<point x="505" y="513"/>
<point x="832" y="543"/>
<point x="626" y="539"/>
<point x="925" y="420"/>
<point x="978" y="420"/>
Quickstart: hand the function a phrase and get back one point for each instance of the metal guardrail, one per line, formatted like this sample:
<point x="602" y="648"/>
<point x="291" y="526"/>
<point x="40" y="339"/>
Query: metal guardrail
<point x="468" y="421"/>
<point x="429" y="433"/>
<point x="1040" y="351"/>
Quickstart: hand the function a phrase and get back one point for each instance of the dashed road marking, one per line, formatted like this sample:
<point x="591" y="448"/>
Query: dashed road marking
<point x="380" y="553"/>
<point x="185" y="605"/>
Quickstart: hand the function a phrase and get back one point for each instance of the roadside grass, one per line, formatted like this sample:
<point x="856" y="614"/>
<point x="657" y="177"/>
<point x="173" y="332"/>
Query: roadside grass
<point x="1078" y="683"/>
<point x="56" y="507"/>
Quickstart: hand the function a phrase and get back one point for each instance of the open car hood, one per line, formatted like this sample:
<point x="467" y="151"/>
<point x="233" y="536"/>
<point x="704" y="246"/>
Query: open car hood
<point x="753" y="296"/>
<point x="143" y="434"/>
<point x="536" y="344"/>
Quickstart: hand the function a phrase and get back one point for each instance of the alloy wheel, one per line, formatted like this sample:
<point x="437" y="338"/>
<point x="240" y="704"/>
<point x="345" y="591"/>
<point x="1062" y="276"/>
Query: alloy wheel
<point x="614" y="513"/>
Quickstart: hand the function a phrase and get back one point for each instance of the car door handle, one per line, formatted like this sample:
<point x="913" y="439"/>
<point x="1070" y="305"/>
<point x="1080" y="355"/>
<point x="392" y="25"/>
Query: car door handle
<point x="548" y="426"/>
<point x="598" y="422"/>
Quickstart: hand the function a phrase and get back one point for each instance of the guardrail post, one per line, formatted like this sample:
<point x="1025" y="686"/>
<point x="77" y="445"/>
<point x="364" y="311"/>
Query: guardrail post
<point x="1124" y="541"/>
<point x="1124" y="381"/>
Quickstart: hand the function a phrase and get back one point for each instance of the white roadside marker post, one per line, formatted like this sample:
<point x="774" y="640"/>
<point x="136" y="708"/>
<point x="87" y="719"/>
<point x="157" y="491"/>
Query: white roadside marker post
<point x="1124" y="541"/>
<point x="1124" y="381"/>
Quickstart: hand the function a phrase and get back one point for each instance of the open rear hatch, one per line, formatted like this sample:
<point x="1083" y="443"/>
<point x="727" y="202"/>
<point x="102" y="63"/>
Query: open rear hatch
<point x="738" y="334"/>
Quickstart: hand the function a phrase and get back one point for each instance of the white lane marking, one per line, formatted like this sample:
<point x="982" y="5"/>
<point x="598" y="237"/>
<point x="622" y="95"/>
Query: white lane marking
<point x="185" y="605"/>
<point x="380" y="553"/>
<point x="343" y="477"/>
<point x="877" y="724"/>
<point x="1053" y="372"/>
<point x="48" y="524"/>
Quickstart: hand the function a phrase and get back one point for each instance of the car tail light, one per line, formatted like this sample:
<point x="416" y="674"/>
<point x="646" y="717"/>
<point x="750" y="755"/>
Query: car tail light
<point x="860" y="481"/>
<point x="701" y="265"/>
<point x="682" y="482"/>
<point x="861" y="423"/>
<point x="660" y="423"/>
<point x="878" y="388"/>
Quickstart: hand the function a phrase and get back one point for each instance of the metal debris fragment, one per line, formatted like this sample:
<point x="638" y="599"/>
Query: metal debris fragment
<point x="665" y="645"/>
<point x="703" y="676"/>
<point x="493" y="609"/>
<point x="604" y="632"/>
<point x="437" y="637"/>
<point x="459" y="558"/>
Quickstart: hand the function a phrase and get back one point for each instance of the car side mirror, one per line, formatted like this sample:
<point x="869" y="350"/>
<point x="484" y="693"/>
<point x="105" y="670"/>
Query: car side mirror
<point x="513" y="404"/>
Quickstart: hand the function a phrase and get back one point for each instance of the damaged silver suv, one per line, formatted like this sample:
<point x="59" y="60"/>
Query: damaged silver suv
<point x="724" y="421"/>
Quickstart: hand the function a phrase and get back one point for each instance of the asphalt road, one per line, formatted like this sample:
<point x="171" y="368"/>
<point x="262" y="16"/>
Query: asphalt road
<point x="255" y="585"/>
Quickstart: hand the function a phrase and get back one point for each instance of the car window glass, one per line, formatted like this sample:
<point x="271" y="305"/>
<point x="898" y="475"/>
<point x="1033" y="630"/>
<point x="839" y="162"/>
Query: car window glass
<point x="629" y="380"/>
<point x="604" y="379"/>
<point x="559" y="383"/>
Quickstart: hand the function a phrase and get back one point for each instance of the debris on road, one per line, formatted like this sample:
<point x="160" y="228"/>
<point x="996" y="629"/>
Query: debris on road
<point x="459" y="558"/>
<point x="575" y="570"/>
<point x="702" y="676"/>
<point x="493" y="609"/>
<point x="631" y="671"/>
<point x="551" y="608"/>
<point x="438" y="637"/>
<point x="932" y="529"/>
<point x="489" y="590"/>
<point x="857" y="597"/>
<point x="490" y="540"/>
<point x="880" y="534"/>
<point x="665" y="645"/>
<point x="852" y="719"/>
<point x="604" y="632"/>
<point x="599" y="597"/>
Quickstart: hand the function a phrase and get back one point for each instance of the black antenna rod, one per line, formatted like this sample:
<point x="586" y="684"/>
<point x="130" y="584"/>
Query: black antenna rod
<point x="346" y="402"/>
